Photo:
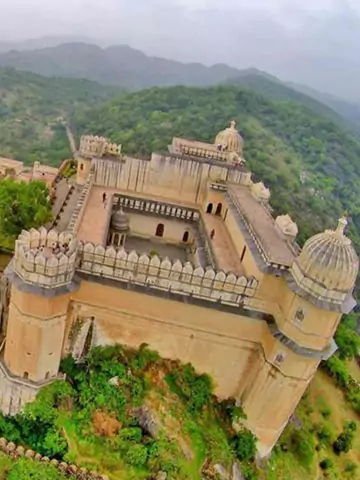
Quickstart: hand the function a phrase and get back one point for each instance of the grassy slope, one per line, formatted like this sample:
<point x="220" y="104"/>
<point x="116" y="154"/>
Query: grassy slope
<point x="183" y="440"/>
<point x="31" y="105"/>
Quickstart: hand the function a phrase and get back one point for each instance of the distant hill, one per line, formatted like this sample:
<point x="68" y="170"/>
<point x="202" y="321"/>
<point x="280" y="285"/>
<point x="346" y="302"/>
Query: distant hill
<point x="275" y="89"/>
<point x="131" y="69"/>
<point x="350" y="111"/>
<point x="31" y="109"/>
<point x="117" y="65"/>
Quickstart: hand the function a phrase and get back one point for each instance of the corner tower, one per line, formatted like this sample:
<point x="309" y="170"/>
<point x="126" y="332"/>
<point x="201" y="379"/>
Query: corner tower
<point x="312" y="296"/>
<point x="42" y="277"/>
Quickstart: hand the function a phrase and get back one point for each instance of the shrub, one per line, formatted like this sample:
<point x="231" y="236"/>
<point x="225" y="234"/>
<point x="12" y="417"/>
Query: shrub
<point x="245" y="445"/>
<point x="249" y="471"/>
<point x="136" y="455"/>
<point x="343" y="443"/>
<point x="326" y="412"/>
<point x="303" y="446"/>
<point x="350" y="468"/>
<point x="194" y="389"/>
<point x="28" y="469"/>
<point x="326" y="464"/>
<point x="324" y="434"/>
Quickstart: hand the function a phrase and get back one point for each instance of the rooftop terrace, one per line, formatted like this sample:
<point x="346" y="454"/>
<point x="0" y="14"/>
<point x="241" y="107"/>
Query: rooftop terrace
<point x="274" y="244"/>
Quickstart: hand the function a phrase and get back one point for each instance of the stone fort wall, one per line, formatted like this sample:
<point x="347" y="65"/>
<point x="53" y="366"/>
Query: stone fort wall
<point x="168" y="176"/>
<point x="165" y="275"/>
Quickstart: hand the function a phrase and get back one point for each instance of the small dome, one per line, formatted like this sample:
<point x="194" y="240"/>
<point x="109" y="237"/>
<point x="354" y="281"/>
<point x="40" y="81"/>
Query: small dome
<point x="230" y="139"/>
<point x="328" y="263"/>
<point x="120" y="221"/>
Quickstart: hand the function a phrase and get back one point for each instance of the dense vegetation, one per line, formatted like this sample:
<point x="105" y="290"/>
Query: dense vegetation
<point x="130" y="414"/>
<point x="32" y="111"/>
<point x="310" y="164"/>
<point x="22" y="206"/>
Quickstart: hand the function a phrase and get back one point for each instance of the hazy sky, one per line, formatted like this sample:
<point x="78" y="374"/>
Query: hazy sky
<point x="316" y="42"/>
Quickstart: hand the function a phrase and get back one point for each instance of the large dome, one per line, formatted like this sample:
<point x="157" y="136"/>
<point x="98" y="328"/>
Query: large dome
<point x="120" y="221"/>
<point x="230" y="139"/>
<point x="327" y="266"/>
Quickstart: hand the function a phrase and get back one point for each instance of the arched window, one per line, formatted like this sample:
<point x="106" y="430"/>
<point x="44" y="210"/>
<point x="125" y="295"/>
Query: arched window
<point x="209" y="208"/>
<point x="218" y="209"/>
<point x="81" y="166"/>
<point x="116" y="239"/>
<point x="186" y="237"/>
<point x="160" y="230"/>
<point x="26" y="374"/>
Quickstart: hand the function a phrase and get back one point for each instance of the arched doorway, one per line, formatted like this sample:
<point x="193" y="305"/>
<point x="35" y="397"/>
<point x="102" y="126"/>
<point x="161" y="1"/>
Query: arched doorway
<point x="160" y="230"/>
<point x="185" y="237"/>
<point x="209" y="208"/>
<point x="26" y="374"/>
<point x="218" y="209"/>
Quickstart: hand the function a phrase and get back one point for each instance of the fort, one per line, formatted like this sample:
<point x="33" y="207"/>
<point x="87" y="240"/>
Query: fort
<point x="181" y="252"/>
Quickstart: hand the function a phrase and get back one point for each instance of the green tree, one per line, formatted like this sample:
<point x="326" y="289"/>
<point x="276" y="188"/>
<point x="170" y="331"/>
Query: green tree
<point x="22" y="206"/>
<point x="348" y="342"/>
<point x="29" y="470"/>
<point x="344" y="441"/>
<point x="245" y="445"/>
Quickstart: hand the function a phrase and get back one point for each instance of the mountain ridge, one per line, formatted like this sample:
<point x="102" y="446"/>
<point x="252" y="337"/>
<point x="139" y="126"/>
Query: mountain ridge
<point x="131" y="69"/>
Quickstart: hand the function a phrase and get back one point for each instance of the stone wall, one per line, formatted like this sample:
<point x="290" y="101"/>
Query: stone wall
<point x="164" y="275"/>
<point x="72" y="471"/>
<point x="168" y="176"/>
<point x="78" y="212"/>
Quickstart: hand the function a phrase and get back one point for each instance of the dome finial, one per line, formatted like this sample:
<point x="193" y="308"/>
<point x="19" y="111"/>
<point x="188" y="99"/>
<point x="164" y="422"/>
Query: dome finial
<point x="233" y="124"/>
<point x="342" y="224"/>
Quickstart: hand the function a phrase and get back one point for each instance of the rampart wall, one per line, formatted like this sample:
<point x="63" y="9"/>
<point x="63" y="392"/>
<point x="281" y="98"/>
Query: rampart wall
<point x="164" y="275"/>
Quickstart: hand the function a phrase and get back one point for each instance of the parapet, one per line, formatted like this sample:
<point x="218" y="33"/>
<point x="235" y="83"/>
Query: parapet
<point x="94" y="146"/>
<point x="45" y="259"/>
<point x="260" y="192"/>
<point x="162" y="274"/>
<point x="287" y="226"/>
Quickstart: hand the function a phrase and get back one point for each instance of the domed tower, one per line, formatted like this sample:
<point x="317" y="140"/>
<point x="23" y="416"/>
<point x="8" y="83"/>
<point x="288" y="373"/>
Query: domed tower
<point x="119" y="228"/>
<point x="230" y="140"/>
<point x="326" y="269"/>
<point x="309" y="301"/>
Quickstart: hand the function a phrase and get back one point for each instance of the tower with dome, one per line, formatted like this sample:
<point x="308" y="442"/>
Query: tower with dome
<point x="181" y="252"/>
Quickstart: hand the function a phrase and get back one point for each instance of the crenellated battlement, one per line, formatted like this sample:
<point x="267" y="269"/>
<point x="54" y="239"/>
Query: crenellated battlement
<point x="162" y="274"/>
<point x="44" y="258"/>
<point x="95" y="146"/>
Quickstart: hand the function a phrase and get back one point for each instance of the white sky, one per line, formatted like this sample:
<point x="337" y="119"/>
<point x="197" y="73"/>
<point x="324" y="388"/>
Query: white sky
<point x="310" y="41"/>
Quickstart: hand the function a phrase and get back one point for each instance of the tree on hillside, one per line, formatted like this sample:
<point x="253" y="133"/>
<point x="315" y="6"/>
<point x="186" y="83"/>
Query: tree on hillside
<point x="22" y="206"/>
<point x="28" y="469"/>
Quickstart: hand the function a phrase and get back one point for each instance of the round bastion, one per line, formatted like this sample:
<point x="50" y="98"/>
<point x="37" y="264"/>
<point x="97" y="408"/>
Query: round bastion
<point x="45" y="258"/>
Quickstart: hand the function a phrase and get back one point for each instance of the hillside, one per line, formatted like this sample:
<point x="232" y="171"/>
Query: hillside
<point x="131" y="69"/>
<point x="310" y="164"/>
<point x="350" y="111"/>
<point x="336" y="110"/>
<point x="31" y="109"/>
